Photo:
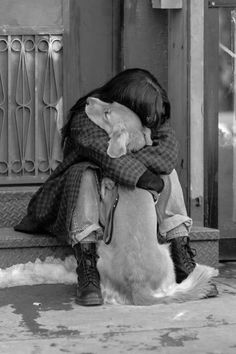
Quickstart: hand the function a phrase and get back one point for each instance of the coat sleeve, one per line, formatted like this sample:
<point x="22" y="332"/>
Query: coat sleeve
<point x="161" y="157"/>
<point x="91" y="142"/>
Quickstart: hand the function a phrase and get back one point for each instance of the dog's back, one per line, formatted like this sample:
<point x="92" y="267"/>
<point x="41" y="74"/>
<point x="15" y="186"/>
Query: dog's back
<point x="134" y="268"/>
<point x="132" y="265"/>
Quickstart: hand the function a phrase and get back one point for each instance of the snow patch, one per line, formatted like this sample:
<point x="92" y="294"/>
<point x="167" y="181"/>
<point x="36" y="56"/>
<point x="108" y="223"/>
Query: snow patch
<point x="50" y="271"/>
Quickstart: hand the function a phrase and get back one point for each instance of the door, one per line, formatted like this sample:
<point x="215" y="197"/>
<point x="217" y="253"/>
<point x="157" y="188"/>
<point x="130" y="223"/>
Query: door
<point x="51" y="52"/>
<point x="221" y="197"/>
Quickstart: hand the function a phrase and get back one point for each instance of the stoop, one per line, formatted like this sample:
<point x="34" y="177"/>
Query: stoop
<point x="17" y="247"/>
<point x="206" y="243"/>
<point x="13" y="204"/>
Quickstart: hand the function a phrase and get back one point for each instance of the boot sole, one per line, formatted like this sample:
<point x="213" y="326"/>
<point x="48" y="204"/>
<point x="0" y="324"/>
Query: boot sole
<point x="91" y="301"/>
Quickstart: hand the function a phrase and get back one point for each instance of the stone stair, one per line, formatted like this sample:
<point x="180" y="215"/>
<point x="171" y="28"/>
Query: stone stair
<point x="17" y="247"/>
<point x="206" y="243"/>
<point x="13" y="204"/>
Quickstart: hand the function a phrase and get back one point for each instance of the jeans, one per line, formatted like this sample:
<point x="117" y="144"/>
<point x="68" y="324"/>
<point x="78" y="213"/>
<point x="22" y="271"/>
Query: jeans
<point x="170" y="210"/>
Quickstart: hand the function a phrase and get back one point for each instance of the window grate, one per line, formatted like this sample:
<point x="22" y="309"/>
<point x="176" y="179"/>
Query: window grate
<point x="31" y="107"/>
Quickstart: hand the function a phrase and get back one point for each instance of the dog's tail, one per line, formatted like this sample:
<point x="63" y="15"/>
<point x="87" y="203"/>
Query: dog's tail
<point x="195" y="286"/>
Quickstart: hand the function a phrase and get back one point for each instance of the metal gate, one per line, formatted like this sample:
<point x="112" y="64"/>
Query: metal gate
<point x="30" y="106"/>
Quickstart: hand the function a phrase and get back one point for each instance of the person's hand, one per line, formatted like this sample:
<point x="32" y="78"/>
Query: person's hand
<point x="149" y="180"/>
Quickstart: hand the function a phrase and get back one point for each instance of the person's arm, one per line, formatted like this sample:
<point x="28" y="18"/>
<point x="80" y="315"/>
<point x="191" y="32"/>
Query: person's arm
<point x="161" y="157"/>
<point x="91" y="142"/>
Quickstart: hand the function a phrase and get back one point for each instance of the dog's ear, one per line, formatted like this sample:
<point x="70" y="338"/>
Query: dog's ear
<point x="117" y="146"/>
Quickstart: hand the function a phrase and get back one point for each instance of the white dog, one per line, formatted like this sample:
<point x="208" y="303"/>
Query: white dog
<point x="123" y="126"/>
<point x="134" y="268"/>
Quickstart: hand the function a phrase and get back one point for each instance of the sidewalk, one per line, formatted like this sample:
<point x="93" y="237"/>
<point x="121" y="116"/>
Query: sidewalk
<point x="44" y="319"/>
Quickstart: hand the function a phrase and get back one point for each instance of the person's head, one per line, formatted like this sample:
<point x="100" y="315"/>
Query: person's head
<point x="137" y="89"/>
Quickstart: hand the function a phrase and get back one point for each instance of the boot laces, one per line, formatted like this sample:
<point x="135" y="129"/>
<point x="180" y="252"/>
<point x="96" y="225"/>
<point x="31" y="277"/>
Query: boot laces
<point x="188" y="254"/>
<point x="90" y="272"/>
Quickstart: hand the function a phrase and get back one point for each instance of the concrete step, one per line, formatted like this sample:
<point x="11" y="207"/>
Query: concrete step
<point x="13" y="204"/>
<point x="17" y="247"/>
<point x="206" y="243"/>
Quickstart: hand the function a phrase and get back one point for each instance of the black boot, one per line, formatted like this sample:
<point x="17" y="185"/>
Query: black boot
<point x="182" y="256"/>
<point x="88" y="288"/>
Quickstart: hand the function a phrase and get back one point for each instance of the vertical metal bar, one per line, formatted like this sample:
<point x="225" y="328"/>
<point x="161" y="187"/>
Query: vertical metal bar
<point x="48" y="107"/>
<point x="23" y="59"/>
<point x="36" y="113"/>
<point x="9" y="109"/>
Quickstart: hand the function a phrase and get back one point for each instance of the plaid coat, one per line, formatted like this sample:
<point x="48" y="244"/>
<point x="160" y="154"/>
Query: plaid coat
<point x="51" y="207"/>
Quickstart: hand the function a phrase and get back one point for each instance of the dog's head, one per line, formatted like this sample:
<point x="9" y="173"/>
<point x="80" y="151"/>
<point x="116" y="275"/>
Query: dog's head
<point x="121" y="124"/>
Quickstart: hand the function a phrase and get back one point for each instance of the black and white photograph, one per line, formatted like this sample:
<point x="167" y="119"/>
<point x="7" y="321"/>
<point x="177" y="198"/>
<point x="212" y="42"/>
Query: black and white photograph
<point x="117" y="176"/>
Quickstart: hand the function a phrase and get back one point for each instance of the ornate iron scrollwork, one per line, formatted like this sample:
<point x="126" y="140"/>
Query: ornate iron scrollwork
<point x="30" y="106"/>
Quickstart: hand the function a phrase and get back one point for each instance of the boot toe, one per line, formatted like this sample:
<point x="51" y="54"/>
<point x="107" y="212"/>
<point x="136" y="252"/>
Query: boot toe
<point x="89" y="296"/>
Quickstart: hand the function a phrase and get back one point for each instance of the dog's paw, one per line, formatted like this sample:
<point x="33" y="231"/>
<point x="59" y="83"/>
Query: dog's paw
<point x="106" y="186"/>
<point x="108" y="183"/>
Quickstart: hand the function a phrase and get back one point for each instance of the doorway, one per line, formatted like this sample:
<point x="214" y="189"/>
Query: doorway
<point x="220" y="123"/>
<point x="227" y="128"/>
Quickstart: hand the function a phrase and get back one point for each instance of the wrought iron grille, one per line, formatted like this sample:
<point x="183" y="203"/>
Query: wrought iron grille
<point x="30" y="107"/>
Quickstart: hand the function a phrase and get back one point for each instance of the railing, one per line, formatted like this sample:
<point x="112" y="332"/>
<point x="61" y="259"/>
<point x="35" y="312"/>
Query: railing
<point x="30" y="107"/>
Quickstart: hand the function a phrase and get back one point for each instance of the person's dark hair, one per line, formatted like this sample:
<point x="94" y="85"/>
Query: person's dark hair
<point x="135" y="88"/>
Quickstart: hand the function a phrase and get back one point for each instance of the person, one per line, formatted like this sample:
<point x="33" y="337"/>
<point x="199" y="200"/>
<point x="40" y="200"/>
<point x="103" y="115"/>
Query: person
<point x="67" y="204"/>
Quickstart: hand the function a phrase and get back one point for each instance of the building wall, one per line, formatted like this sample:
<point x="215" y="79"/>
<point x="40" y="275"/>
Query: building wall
<point x="145" y="38"/>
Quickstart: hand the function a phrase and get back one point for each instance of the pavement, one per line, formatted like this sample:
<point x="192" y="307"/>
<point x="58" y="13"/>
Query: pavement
<point x="44" y="319"/>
